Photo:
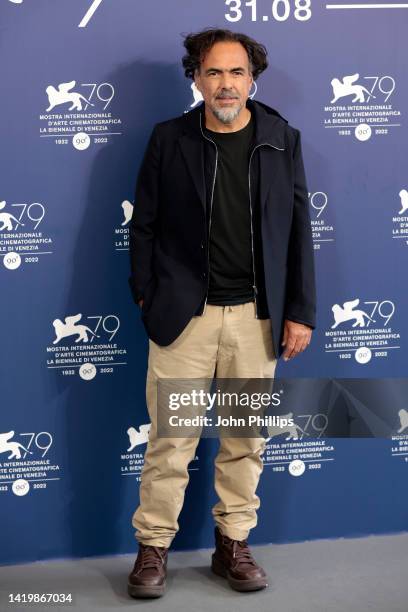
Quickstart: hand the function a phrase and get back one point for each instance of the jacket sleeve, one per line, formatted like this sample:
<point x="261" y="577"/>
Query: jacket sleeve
<point x="300" y="300"/>
<point x="143" y="221"/>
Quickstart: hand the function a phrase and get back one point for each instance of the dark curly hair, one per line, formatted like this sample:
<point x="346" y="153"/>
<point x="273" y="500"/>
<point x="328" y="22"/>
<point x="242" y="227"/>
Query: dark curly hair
<point x="200" y="43"/>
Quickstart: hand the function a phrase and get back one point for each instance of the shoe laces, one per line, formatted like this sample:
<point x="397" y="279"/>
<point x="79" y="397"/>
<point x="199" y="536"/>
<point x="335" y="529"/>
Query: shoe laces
<point x="151" y="556"/>
<point x="240" y="551"/>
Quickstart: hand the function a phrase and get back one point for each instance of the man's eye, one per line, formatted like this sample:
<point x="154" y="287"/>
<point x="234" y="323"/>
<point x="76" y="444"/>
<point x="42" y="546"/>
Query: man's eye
<point x="215" y="73"/>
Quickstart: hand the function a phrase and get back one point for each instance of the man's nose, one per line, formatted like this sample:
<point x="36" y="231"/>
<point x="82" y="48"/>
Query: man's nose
<point x="226" y="83"/>
<point x="226" y="91"/>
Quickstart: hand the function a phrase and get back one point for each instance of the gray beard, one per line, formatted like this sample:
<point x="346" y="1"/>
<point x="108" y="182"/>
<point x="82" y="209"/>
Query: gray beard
<point x="226" y="115"/>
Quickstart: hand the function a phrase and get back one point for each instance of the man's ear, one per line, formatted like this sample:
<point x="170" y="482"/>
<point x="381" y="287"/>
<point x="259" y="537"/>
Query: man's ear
<point x="195" y="80"/>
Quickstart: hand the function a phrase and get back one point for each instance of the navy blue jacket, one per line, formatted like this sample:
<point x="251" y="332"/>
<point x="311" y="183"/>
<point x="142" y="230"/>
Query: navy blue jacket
<point x="169" y="228"/>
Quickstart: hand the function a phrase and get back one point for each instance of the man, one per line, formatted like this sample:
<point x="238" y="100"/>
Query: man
<point x="222" y="266"/>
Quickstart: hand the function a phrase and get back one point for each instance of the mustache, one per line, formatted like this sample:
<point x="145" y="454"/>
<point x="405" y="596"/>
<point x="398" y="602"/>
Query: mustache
<point x="227" y="95"/>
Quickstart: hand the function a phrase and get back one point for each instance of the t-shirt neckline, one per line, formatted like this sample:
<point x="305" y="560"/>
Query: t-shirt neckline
<point x="235" y="132"/>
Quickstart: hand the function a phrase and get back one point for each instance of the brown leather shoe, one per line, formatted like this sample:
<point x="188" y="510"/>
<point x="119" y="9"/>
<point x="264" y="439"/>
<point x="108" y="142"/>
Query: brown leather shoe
<point x="148" y="577"/>
<point x="233" y="560"/>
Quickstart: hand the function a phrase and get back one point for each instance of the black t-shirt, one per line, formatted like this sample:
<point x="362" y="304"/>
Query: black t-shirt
<point x="231" y="276"/>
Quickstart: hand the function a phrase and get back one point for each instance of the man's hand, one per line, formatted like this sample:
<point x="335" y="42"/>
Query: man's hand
<point x="296" y="337"/>
<point x="140" y="303"/>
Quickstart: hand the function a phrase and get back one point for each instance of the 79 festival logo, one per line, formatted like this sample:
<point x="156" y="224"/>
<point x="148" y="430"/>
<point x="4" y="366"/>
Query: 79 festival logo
<point x="79" y="114"/>
<point x="24" y="462"/>
<point x="362" y="329"/>
<point x="85" y="346"/>
<point x="298" y="447"/>
<point x="21" y="238"/>
<point x="362" y="106"/>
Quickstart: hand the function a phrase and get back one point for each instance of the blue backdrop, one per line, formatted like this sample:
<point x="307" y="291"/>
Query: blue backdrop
<point x="83" y="83"/>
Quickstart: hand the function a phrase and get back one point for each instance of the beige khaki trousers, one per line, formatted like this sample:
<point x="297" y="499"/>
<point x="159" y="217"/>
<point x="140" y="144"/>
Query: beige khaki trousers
<point x="225" y="342"/>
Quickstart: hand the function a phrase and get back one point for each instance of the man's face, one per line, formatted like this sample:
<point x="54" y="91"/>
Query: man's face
<point x="225" y="80"/>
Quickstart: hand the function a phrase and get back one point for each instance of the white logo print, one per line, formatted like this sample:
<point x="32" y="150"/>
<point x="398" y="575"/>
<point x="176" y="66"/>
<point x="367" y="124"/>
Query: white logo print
<point x="63" y="95"/>
<point x="121" y="231"/>
<point x="403" y="194"/>
<point x="348" y="87"/>
<point x="88" y="355"/>
<point x="196" y="95"/>
<point x="403" y="416"/>
<point x="20" y="470"/>
<point x="10" y="446"/>
<point x="69" y="328"/>
<point x="138" y="437"/>
<point x="127" y="211"/>
<point x="346" y="313"/>
<point x="25" y="246"/>
<point x="400" y="219"/>
<point x="6" y="219"/>
<point x="296" y="467"/>
<point x="291" y="429"/>
<point x="354" y="109"/>
<point x="69" y="119"/>
<point x="365" y="337"/>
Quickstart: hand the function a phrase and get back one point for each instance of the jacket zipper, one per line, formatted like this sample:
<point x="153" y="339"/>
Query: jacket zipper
<point x="209" y="226"/>
<point x="250" y="208"/>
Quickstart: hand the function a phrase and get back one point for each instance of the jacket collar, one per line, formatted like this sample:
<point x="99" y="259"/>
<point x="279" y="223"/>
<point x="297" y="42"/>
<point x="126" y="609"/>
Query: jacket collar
<point x="269" y="124"/>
